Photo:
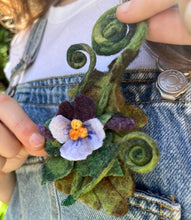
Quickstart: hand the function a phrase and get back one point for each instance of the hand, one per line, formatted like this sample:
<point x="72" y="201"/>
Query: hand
<point x="19" y="137"/>
<point x="185" y="11"/>
<point x="167" y="24"/>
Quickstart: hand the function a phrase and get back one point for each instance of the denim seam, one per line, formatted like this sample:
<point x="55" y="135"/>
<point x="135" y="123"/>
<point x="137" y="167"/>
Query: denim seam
<point x="161" y="214"/>
<point x="161" y="206"/>
<point x="48" y="86"/>
<point x="148" y="210"/>
<point x="51" y="192"/>
<point x="171" y="198"/>
<point x="55" y="200"/>
<point x="143" y="70"/>
<point x="54" y="77"/>
<point x="38" y="104"/>
<point x="33" y="163"/>
<point x="139" y="80"/>
<point x="186" y="121"/>
<point x="157" y="101"/>
<point x="155" y="202"/>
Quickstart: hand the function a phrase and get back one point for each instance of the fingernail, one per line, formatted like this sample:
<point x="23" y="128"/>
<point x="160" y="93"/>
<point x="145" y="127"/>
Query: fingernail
<point x="124" y="7"/>
<point x="36" y="140"/>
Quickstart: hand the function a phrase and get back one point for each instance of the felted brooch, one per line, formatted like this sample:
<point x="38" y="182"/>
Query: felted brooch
<point x="94" y="142"/>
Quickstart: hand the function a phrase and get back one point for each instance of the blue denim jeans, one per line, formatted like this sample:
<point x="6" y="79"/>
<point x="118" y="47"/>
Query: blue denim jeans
<point x="165" y="193"/>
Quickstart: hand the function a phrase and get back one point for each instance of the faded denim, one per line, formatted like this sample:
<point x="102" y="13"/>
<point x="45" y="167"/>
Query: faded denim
<point x="165" y="193"/>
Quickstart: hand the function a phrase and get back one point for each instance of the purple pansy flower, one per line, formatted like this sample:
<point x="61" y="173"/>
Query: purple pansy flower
<point x="76" y="127"/>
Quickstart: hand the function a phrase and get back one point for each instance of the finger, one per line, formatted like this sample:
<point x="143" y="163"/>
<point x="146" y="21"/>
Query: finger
<point x="167" y="27"/>
<point x="2" y="162"/>
<point x="137" y="10"/>
<point x="9" y="144"/>
<point x="185" y="11"/>
<point x="16" y="120"/>
<point x="14" y="163"/>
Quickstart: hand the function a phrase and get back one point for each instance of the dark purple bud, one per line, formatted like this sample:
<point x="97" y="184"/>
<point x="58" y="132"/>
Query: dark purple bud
<point x="84" y="108"/>
<point x="66" y="109"/>
<point x="44" y="131"/>
<point x="120" y="123"/>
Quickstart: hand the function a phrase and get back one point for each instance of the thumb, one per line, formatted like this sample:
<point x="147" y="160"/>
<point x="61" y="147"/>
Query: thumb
<point x="137" y="10"/>
<point x="185" y="11"/>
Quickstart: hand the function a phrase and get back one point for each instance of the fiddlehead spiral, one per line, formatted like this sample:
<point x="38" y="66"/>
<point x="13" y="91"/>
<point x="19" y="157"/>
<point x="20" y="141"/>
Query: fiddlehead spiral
<point x="76" y="59"/>
<point x="109" y="35"/>
<point x="139" y="152"/>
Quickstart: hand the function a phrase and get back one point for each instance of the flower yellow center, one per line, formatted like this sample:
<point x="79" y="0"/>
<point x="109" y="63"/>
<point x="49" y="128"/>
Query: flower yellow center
<point x="76" y="124"/>
<point x="77" y="130"/>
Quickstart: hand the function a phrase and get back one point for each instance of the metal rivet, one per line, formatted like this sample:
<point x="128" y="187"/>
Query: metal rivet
<point x="171" y="83"/>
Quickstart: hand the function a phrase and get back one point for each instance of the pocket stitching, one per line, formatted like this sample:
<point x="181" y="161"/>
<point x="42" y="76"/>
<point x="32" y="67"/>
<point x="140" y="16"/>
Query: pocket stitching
<point x="160" y="211"/>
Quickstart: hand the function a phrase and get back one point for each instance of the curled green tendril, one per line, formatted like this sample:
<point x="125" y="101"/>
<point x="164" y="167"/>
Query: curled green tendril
<point x="109" y="35"/>
<point x="139" y="152"/>
<point x="135" y="38"/>
<point x="76" y="59"/>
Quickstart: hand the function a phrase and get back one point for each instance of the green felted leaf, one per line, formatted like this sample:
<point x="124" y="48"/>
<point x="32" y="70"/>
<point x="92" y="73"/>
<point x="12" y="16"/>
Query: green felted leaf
<point x="98" y="160"/>
<point x="116" y="100"/>
<point x="98" y="81"/>
<point x="124" y="185"/>
<point x="55" y="168"/>
<point x="47" y="123"/>
<point x="105" y="118"/>
<point x="76" y="183"/>
<point x="115" y="170"/>
<point x="64" y="184"/>
<point x="112" y="202"/>
<point x="136" y="114"/>
<point x="90" y="198"/>
<point x="69" y="201"/>
<point x="53" y="148"/>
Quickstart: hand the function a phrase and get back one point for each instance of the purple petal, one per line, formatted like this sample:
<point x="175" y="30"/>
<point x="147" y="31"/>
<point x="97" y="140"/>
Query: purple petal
<point x="44" y="131"/>
<point x="76" y="150"/>
<point x="120" y="123"/>
<point x="60" y="127"/>
<point x="96" y="133"/>
<point x="84" y="108"/>
<point x="66" y="109"/>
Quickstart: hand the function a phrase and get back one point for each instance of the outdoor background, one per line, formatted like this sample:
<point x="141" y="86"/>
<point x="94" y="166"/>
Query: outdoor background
<point x="5" y="38"/>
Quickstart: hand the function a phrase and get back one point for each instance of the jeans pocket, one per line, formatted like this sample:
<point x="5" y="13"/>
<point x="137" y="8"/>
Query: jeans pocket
<point x="145" y="205"/>
<point x="142" y="206"/>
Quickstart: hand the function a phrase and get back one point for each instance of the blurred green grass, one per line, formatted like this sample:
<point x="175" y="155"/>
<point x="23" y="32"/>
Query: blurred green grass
<point x="3" y="209"/>
<point x="5" y="39"/>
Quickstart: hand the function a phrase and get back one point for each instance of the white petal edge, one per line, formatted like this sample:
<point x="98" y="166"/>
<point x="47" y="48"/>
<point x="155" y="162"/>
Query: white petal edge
<point x="76" y="150"/>
<point x="59" y="128"/>
<point x="95" y="127"/>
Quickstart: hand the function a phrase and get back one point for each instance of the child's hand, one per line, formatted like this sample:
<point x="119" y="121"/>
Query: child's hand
<point x="185" y="11"/>
<point x="166" y="25"/>
<point x="19" y="136"/>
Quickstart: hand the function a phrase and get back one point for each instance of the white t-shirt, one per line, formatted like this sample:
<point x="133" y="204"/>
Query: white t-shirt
<point x="67" y="25"/>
